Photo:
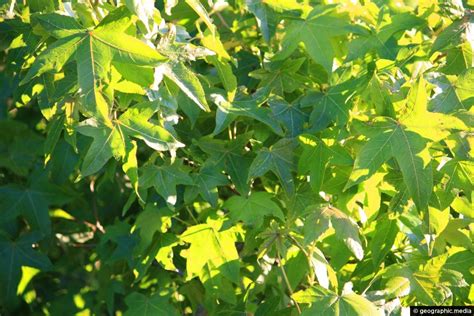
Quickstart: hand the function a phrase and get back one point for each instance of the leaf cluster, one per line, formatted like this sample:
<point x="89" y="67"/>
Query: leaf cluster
<point x="255" y="157"/>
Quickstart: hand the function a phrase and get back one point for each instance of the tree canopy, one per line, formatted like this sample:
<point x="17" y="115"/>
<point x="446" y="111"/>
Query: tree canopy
<point x="258" y="157"/>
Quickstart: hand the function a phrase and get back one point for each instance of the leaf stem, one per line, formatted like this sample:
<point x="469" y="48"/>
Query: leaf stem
<point x="370" y="283"/>
<point x="287" y="282"/>
<point x="187" y="224"/>
<point x="192" y="216"/>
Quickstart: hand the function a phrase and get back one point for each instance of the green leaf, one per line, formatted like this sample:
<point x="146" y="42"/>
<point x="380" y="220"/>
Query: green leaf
<point x="41" y="6"/>
<point x="464" y="89"/>
<point x="127" y="49"/>
<point x="378" y="96"/>
<point x="459" y="174"/>
<point x="224" y="70"/>
<point x="19" y="147"/>
<point x="435" y="126"/>
<point x="455" y="95"/>
<point x="346" y="229"/>
<point x="411" y="153"/>
<point x="54" y="57"/>
<point x="118" y="20"/>
<point x="142" y="305"/>
<point x="218" y="287"/>
<point x="144" y="9"/>
<point x="458" y="59"/>
<point x="107" y="143"/>
<point x="32" y="202"/>
<point x="267" y="18"/>
<point x="150" y="222"/>
<point x="314" y="160"/>
<point x="130" y="165"/>
<point x="207" y="181"/>
<point x="399" y="23"/>
<point x="455" y="234"/>
<point x="461" y="261"/>
<point x="409" y="149"/>
<point x="438" y="220"/>
<point x="58" y="25"/>
<point x="211" y="40"/>
<point x="94" y="56"/>
<point x="135" y="122"/>
<point x="280" y="76"/>
<point x="237" y="167"/>
<point x="141" y="75"/>
<point x="117" y="243"/>
<point x="220" y="253"/>
<point x="232" y="156"/>
<point x="253" y="209"/>
<point x="290" y="115"/>
<point x="201" y="11"/>
<point x="165" y="254"/>
<point x="93" y="50"/>
<point x="371" y="157"/>
<point x="280" y="160"/>
<point x="54" y="132"/>
<point x="463" y="206"/>
<point x="382" y="41"/>
<point x="386" y="231"/>
<point x="112" y="139"/>
<point x="165" y="179"/>
<point x="426" y="283"/>
<point x="316" y="32"/>
<point x="187" y="81"/>
<point x="303" y="197"/>
<point x="247" y="108"/>
<point x="328" y="107"/>
<point x="326" y="302"/>
<point x="93" y="68"/>
<point x="450" y="36"/>
<point x="13" y="255"/>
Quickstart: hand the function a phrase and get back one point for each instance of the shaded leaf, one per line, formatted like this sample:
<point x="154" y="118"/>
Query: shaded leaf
<point x="278" y="159"/>
<point x="13" y="255"/>
<point x="253" y="209"/>
<point x="326" y="302"/>
<point x="140" y="304"/>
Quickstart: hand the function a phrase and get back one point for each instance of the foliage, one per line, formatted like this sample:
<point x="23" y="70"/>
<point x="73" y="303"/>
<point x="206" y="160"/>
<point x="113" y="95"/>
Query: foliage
<point x="235" y="157"/>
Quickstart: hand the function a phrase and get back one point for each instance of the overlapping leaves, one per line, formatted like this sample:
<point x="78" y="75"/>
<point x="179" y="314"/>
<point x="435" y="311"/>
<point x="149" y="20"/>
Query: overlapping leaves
<point x="249" y="157"/>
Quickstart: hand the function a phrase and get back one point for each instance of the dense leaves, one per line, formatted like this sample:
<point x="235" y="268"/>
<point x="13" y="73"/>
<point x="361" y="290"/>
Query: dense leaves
<point x="235" y="157"/>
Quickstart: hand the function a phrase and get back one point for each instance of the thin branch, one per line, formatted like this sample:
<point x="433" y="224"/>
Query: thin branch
<point x="98" y="225"/>
<point x="191" y="214"/>
<point x="287" y="282"/>
<point x="187" y="224"/>
<point x="221" y="18"/>
<point x="370" y="284"/>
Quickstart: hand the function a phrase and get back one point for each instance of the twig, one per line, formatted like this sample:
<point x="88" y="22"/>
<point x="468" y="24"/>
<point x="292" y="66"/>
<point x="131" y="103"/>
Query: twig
<point x="219" y="15"/>
<point x="98" y="225"/>
<point x="287" y="282"/>
<point x="370" y="284"/>
<point x="181" y="220"/>
<point x="192" y="216"/>
<point x="79" y="245"/>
